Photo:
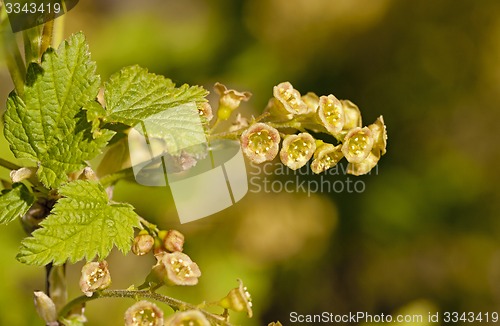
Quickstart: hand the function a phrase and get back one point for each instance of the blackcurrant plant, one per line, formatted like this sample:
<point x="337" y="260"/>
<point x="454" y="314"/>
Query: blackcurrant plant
<point x="61" y="115"/>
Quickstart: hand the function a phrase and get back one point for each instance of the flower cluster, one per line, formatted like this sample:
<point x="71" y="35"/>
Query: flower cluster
<point x="172" y="268"/>
<point x="288" y="112"/>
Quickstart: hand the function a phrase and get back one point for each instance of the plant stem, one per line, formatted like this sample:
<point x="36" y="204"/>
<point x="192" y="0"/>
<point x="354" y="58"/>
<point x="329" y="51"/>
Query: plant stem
<point x="47" y="36"/>
<point x="8" y="165"/>
<point x="134" y="294"/>
<point x="15" y="63"/>
<point x="148" y="224"/>
<point x="227" y="135"/>
<point x="31" y="40"/>
<point x="113" y="178"/>
<point x="57" y="35"/>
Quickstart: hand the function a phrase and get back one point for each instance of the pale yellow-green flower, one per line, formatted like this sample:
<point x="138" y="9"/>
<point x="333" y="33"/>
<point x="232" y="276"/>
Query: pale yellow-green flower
<point x="297" y="150"/>
<point x="326" y="156"/>
<point x="331" y="114"/>
<point x="238" y="299"/>
<point x="188" y="317"/>
<point x="357" y="144"/>
<point x="260" y="142"/>
<point x="144" y="313"/>
<point x="95" y="277"/>
<point x="229" y="100"/>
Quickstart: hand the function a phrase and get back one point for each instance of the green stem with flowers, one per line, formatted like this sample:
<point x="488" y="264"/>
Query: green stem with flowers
<point x="136" y="294"/>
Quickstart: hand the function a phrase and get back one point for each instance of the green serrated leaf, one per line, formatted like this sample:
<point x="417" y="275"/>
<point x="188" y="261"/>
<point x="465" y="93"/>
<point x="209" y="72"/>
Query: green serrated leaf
<point x="15" y="202"/>
<point x="47" y="125"/>
<point x="83" y="224"/>
<point x="166" y="115"/>
<point x="133" y="94"/>
<point x="95" y="112"/>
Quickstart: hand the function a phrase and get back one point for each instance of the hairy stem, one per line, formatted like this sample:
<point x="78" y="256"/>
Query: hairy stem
<point x="149" y="225"/>
<point x="135" y="294"/>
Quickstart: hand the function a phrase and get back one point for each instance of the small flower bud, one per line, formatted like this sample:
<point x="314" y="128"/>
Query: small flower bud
<point x="229" y="100"/>
<point x="143" y="243"/>
<point x="364" y="166"/>
<point x="144" y="313"/>
<point x="35" y="214"/>
<point x="326" y="156"/>
<point x="175" y="269"/>
<point x="205" y="111"/>
<point x="379" y="135"/>
<point x="173" y="241"/>
<point x="162" y="234"/>
<point x="297" y="150"/>
<point x="290" y="98"/>
<point x="188" y="317"/>
<point x="260" y="142"/>
<point x="239" y="123"/>
<point x="238" y="299"/>
<point x="357" y="144"/>
<point x="95" y="277"/>
<point x="88" y="174"/>
<point x="352" y="115"/>
<point x="22" y="174"/>
<point x="45" y="308"/>
<point x="312" y="101"/>
<point x="331" y="114"/>
<point x="158" y="246"/>
<point x="276" y="110"/>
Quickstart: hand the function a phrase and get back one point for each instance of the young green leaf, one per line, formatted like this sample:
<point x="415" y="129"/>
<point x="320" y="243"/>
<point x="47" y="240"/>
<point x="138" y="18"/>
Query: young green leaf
<point x="47" y="125"/>
<point x="84" y="223"/>
<point x="15" y="202"/>
<point x="153" y="105"/>
<point x="133" y="94"/>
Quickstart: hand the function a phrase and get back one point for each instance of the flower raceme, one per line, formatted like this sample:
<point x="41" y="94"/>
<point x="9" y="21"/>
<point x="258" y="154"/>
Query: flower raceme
<point x="288" y="112"/>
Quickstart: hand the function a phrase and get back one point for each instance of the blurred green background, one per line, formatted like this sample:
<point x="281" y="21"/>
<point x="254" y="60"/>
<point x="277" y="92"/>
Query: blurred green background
<point x="423" y="236"/>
